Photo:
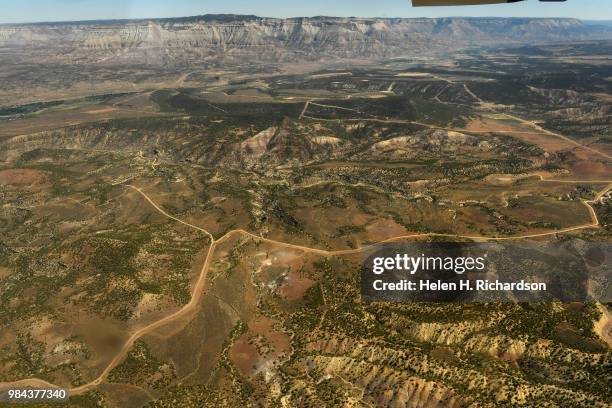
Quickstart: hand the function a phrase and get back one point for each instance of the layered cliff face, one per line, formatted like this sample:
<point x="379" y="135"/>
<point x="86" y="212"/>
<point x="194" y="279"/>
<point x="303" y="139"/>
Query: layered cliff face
<point x="297" y="38"/>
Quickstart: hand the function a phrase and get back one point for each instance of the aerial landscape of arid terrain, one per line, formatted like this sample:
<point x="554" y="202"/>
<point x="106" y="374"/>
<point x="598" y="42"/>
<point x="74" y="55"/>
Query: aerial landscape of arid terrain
<point x="183" y="203"/>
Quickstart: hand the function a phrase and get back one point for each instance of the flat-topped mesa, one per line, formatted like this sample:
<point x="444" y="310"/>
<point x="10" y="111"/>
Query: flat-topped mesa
<point x="308" y="38"/>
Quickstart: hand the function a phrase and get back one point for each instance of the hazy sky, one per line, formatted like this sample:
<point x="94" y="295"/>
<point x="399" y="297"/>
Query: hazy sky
<point x="15" y="11"/>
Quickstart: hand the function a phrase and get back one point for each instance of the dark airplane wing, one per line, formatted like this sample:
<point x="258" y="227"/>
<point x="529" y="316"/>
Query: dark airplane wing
<point x="421" y="3"/>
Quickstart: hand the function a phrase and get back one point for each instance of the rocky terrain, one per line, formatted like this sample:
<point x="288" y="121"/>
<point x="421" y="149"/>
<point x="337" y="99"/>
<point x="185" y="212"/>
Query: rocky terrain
<point x="291" y="39"/>
<point x="182" y="208"/>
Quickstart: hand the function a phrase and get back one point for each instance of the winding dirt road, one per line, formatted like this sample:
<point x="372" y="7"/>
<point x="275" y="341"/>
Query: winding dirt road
<point x="198" y="290"/>
<point x="483" y="104"/>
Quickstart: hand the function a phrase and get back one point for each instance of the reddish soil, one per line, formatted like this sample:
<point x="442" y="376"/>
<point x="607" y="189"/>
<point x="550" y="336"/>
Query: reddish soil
<point x="265" y="327"/>
<point x="22" y="177"/>
<point x="548" y="143"/>
<point x="488" y="125"/>
<point x="384" y="229"/>
<point x="4" y="272"/>
<point x="359" y="219"/>
<point x="295" y="286"/>
<point x="244" y="355"/>
<point x="591" y="168"/>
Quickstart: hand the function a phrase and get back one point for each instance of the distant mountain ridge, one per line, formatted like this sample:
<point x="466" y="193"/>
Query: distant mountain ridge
<point x="297" y="38"/>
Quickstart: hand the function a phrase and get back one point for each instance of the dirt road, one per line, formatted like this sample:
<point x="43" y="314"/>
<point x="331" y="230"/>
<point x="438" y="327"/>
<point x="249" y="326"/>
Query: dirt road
<point x="198" y="291"/>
